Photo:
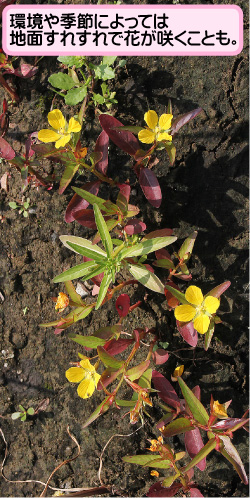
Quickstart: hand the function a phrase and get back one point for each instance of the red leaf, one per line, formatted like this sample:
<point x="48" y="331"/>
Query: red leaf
<point x="218" y="290"/>
<point x="157" y="490"/>
<point x="125" y="190"/>
<point x="86" y="218"/>
<point x="77" y="203"/>
<point x="134" y="226"/>
<point x="166" y="390"/>
<point x="150" y="187"/>
<point x="163" y="253"/>
<point x="182" y="120"/>
<point x="125" y="140"/>
<point x="114" y="347"/>
<point x="194" y="444"/>
<point x="6" y="150"/>
<point x="122" y="305"/>
<point x="188" y="332"/>
<point x="57" y="331"/>
<point x="101" y="146"/>
<point x="25" y="71"/>
<point x="171" y="300"/>
<point x="160" y="356"/>
<point x="194" y="492"/>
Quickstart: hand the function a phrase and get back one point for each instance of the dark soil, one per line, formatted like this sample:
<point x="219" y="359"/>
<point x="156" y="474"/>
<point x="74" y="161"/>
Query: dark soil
<point x="207" y="191"/>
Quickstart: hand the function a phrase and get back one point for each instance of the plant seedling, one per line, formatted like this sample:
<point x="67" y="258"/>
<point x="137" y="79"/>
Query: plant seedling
<point x="23" y="207"/>
<point x="23" y="413"/>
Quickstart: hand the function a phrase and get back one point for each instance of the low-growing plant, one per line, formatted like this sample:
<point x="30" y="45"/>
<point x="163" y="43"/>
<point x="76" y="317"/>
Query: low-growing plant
<point x="23" y="414"/>
<point x="23" y="206"/>
<point x="190" y="418"/>
<point x="80" y="81"/>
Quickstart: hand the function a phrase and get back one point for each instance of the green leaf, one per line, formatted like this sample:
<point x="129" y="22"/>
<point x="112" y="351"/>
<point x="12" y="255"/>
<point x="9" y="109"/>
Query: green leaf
<point x="231" y="454"/>
<point x="188" y="245"/>
<point x="197" y="409"/>
<point x="109" y="60"/>
<point x="130" y="128"/>
<point x="209" y="446"/>
<point x="75" y="272"/>
<point x="70" y="61"/>
<point x="24" y="417"/>
<point x="147" y="246"/>
<point x="145" y="380"/>
<point x="91" y="198"/>
<point x="111" y="224"/>
<point x="104" y="72"/>
<point x="103" y="230"/>
<point x="177" y="427"/>
<point x="137" y="371"/>
<point x="145" y="460"/>
<point x="109" y="360"/>
<point x="171" y="151"/>
<point x="168" y="481"/>
<point x="16" y="415"/>
<point x="61" y="81"/>
<point x="87" y="252"/>
<point x="122" y="63"/>
<point x="13" y="204"/>
<point x="68" y="175"/>
<point x="164" y="263"/>
<point x="148" y="279"/>
<point x="75" y="297"/>
<point x="65" y="239"/>
<point x="208" y="335"/>
<point x="101" y="408"/>
<point x="103" y="290"/>
<point x="89" y="341"/>
<point x="74" y="96"/>
<point x="98" y="98"/>
<point x="125" y="403"/>
<point x="31" y="411"/>
<point x="176" y="293"/>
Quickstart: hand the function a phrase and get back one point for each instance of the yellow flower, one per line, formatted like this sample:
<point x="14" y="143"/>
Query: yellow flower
<point x="154" y="473"/>
<point x="178" y="371"/>
<point x="61" y="130"/>
<point x="199" y="310"/>
<point x="157" y="128"/>
<point x="85" y="374"/>
<point x="219" y="410"/>
<point x="62" y="301"/>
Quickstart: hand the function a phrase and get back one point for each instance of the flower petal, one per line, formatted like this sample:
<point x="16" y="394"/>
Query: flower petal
<point x="185" y="313"/>
<point x="164" y="136"/>
<point x="165" y="121"/>
<point x="151" y="119"/>
<point x="194" y="295"/>
<point x="146" y="136"/>
<point x="47" y="135"/>
<point x="201" y="323"/>
<point x="62" y="141"/>
<point x="86" y="388"/>
<point x="56" y="119"/>
<point x="96" y="378"/>
<point x="74" y="126"/>
<point x="211" y="304"/>
<point x="75" y="374"/>
<point x="86" y="365"/>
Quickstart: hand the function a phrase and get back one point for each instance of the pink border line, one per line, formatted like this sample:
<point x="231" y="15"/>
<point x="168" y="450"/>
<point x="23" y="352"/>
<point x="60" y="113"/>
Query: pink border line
<point x="131" y="52"/>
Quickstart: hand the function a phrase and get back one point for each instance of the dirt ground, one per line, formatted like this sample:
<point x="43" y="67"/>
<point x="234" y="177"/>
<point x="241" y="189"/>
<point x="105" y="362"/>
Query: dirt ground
<point x="207" y="191"/>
